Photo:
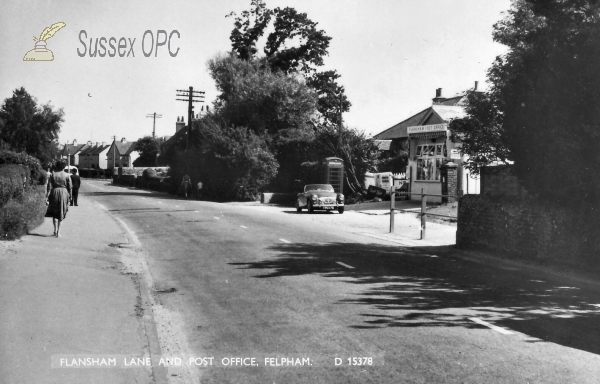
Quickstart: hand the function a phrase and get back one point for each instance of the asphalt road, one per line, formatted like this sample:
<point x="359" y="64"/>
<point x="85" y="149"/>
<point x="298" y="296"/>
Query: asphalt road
<point x="236" y="282"/>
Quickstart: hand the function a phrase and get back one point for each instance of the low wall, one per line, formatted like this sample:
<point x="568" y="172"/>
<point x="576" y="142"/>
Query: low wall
<point x="278" y="198"/>
<point x="138" y="171"/>
<point x="522" y="227"/>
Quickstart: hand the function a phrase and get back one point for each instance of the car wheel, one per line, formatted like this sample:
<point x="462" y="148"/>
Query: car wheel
<point x="298" y="207"/>
<point x="310" y="208"/>
<point x="341" y="210"/>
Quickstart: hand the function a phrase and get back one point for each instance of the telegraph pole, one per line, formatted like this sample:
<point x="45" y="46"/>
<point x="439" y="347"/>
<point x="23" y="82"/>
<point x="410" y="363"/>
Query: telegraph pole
<point x="114" y="150"/>
<point x="341" y="120"/>
<point x="154" y="116"/>
<point x="190" y="99"/>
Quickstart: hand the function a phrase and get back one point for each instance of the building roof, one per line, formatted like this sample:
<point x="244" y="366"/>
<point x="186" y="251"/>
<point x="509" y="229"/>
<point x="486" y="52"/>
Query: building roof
<point x="436" y="114"/>
<point x="172" y="140"/>
<point x="124" y="148"/>
<point x="383" y="145"/>
<point x="399" y="130"/>
<point x="72" y="149"/>
<point x="456" y="100"/>
<point x="87" y="150"/>
<point x="447" y="113"/>
<point x="99" y="149"/>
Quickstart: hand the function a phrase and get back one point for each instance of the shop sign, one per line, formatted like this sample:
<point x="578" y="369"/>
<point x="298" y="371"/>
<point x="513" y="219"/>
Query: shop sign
<point x="427" y="128"/>
<point x="455" y="154"/>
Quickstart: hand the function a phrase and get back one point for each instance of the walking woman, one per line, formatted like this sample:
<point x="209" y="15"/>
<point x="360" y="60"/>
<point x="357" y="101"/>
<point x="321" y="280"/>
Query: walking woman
<point x="58" y="195"/>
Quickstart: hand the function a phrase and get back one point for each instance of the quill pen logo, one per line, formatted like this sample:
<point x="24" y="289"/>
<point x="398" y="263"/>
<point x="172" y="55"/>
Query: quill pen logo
<point x="40" y="52"/>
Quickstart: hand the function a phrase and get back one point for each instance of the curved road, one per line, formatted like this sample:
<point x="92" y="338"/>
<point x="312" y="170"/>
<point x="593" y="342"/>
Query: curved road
<point x="273" y="296"/>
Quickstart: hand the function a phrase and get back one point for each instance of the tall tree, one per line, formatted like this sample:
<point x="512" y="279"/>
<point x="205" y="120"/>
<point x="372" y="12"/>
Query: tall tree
<point x="293" y="45"/>
<point x="544" y="96"/>
<point x="27" y="127"/>
<point x="262" y="100"/>
<point x="148" y="147"/>
<point x="481" y="132"/>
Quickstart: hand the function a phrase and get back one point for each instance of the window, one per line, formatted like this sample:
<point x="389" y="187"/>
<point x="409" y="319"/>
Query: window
<point x="429" y="161"/>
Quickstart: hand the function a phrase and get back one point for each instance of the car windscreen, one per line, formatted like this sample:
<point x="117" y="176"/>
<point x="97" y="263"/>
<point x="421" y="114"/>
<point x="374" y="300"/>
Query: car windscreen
<point x="318" y="188"/>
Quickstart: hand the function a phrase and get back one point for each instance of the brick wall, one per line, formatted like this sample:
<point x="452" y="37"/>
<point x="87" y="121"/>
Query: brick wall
<point x="522" y="227"/>
<point x="500" y="180"/>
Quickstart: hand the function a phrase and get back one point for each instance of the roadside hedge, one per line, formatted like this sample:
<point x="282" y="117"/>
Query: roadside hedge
<point x="20" y="215"/>
<point x="12" y="182"/>
<point x="93" y="173"/>
<point x="31" y="162"/>
<point x="22" y="194"/>
<point x="139" y="171"/>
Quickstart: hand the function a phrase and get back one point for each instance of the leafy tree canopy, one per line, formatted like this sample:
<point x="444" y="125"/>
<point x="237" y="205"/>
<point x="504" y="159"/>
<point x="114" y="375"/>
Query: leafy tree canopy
<point x="541" y="110"/>
<point x="27" y="127"/>
<point x="294" y="44"/>
<point x="148" y="147"/>
<point x="264" y="101"/>
<point x="239" y="160"/>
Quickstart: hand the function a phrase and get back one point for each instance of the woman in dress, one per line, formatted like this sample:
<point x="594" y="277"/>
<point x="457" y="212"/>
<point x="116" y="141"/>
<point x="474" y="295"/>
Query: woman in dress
<point x="58" y="195"/>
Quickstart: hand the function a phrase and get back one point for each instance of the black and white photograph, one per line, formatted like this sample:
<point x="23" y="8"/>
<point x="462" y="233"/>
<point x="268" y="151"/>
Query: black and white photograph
<point x="299" y="191"/>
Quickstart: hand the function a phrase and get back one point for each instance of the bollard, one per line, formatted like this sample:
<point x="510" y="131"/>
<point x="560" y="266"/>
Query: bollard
<point x="392" y="207"/>
<point x="423" y="209"/>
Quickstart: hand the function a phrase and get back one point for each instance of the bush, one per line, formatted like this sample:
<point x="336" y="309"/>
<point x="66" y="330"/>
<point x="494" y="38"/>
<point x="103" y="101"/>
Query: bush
<point x="93" y="172"/>
<point x="232" y="164"/>
<point x="34" y="165"/>
<point x="139" y="171"/>
<point x="20" y="215"/>
<point x="12" y="179"/>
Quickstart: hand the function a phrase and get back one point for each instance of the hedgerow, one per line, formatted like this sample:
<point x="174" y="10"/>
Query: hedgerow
<point x="12" y="182"/>
<point x="20" y="215"/>
<point x="34" y="165"/>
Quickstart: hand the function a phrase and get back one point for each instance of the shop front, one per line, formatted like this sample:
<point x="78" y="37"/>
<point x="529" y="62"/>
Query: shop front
<point x="430" y="149"/>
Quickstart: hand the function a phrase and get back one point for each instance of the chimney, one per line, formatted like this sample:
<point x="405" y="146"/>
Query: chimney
<point x="103" y="143"/>
<point x="122" y="139"/>
<point x="89" y="143"/>
<point x="179" y="124"/>
<point x="74" y="142"/>
<point x="438" y="96"/>
<point x="476" y="84"/>
<point x="97" y="143"/>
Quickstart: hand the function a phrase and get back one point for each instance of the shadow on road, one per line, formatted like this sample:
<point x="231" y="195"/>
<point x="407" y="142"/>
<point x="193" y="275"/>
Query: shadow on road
<point x="428" y="287"/>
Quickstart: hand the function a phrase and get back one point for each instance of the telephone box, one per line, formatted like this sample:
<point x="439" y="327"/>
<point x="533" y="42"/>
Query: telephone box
<point x="333" y="168"/>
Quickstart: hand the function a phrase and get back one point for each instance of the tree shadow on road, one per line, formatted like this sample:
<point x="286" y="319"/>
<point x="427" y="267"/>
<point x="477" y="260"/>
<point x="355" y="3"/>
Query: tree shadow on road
<point x="428" y="287"/>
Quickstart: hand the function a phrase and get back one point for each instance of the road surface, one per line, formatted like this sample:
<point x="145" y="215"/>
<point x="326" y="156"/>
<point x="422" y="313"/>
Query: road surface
<point x="267" y="295"/>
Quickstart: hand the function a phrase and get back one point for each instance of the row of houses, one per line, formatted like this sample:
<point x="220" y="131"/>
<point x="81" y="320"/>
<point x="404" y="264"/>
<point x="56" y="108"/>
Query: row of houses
<point x="118" y="153"/>
<point x="101" y="155"/>
<point x="426" y="138"/>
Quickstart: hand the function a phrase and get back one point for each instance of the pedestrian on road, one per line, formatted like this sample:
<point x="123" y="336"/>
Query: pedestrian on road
<point x="46" y="174"/>
<point x="186" y="185"/>
<point x="76" y="181"/>
<point x="58" y="194"/>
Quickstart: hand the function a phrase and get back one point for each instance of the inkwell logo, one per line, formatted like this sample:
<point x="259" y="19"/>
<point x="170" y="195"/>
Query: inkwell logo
<point x="40" y="52"/>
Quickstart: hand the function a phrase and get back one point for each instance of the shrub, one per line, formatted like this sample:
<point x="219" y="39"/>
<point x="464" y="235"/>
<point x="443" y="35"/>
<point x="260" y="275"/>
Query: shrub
<point x="20" y="215"/>
<point x="12" y="179"/>
<point x="34" y="165"/>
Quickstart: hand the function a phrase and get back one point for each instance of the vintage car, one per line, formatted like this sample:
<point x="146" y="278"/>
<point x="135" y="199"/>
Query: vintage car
<point x="319" y="196"/>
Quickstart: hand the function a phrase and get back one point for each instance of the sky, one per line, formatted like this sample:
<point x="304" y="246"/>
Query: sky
<point x="392" y="56"/>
